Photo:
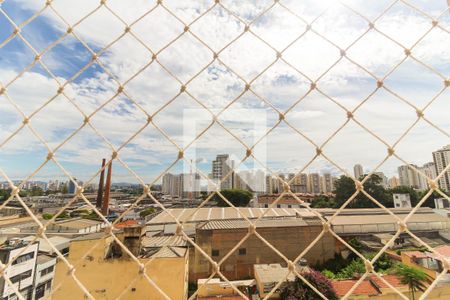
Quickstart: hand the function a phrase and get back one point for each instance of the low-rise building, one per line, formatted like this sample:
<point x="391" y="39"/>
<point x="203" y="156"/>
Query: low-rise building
<point x="71" y="226"/>
<point x="20" y="257"/>
<point x="215" y="288"/>
<point x="371" y="287"/>
<point x="288" y="236"/>
<point x="267" y="276"/>
<point x="108" y="272"/>
<point x="43" y="279"/>
<point x="429" y="262"/>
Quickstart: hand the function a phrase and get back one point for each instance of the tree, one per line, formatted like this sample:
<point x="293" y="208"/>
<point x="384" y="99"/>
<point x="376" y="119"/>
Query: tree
<point x="345" y="188"/>
<point x="146" y="212"/>
<point x="322" y="201"/>
<point x="354" y="268"/>
<point x="298" y="290"/>
<point x="235" y="196"/>
<point x="416" y="279"/>
<point x="4" y="194"/>
<point x="36" y="191"/>
<point x="47" y="216"/>
<point x="429" y="202"/>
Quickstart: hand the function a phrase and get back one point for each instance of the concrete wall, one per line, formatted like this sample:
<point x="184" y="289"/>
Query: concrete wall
<point x="119" y="277"/>
<point x="289" y="241"/>
<point x="19" y="268"/>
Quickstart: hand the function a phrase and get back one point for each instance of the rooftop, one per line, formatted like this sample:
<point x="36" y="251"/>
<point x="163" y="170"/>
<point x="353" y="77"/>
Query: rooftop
<point x="272" y="273"/>
<point x="224" y="213"/>
<point x="161" y="241"/>
<point x="58" y="242"/>
<point x="78" y="223"/>
<point x="166" y="252"/>
<point x="264" y="223"/>
<point x="42" y="258"/>
<point x="370" y="286"/>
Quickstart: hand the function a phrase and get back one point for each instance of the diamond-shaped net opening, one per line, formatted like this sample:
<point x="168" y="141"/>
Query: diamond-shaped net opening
<point x="177" y="150"/>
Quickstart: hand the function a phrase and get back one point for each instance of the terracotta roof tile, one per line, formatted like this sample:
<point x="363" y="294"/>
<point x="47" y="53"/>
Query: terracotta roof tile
<point x="343" y="286"/>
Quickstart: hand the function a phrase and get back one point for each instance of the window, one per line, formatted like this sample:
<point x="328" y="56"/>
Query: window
<point x="242" y="251"/>
<point x="215" y="252"/>
<point x="266" y="205"/>
<point x="23" y="258"/>
<point x="289" y="206"/>
<point x="278" y="205"/>
<point x="47" y="270"/>
<point x="21" y="276"/>
<point x="40" y="291"/>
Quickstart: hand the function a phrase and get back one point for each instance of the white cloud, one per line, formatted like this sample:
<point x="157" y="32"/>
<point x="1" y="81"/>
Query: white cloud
<point x="316" y="116"/>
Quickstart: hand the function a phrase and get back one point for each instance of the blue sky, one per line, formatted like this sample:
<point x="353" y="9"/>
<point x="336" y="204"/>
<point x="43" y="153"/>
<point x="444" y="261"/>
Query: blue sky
<point x="281" y="85"/>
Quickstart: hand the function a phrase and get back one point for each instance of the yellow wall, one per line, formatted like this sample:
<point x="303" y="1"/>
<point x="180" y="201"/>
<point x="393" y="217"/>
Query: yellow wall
<point x="109" y="279"/>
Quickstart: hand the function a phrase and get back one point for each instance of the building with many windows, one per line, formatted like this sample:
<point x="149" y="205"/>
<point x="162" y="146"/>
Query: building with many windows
<point x="408" y="176"/>
<point x="221" y="168"/>
<point x="358" y="171"/>
<point x="441" y="160"/>
<point x="43" y="279"/>
<point x="21" y="260"/>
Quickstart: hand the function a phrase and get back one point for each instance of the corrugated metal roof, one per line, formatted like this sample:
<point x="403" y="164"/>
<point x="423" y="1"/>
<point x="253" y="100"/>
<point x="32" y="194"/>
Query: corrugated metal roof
<point x="171" y="252"/>
<point x="264" y="223"/>
<point x="358" y="219"/>
<point x="161" y="241"/>
<point x="224" y="213"/>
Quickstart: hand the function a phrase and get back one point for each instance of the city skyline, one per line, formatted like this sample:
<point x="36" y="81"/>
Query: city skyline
<point x="183" y="184"/>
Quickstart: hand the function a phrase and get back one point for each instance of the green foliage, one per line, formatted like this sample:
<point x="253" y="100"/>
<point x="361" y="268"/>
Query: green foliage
<point x="4" y="194"/>
<point x="334" y="265"/>
<point x="341" y="268"/>
<point x="356" y="244"/>
<point x="354" y="268"/>
<point x="322" y="201"/>
<point x="429" y="202"/>
<point x="235" y="196"/>
<point x="63" y="215"/>
<point x="298" y="290"/>
<point x="146" y="212"/>
<point x="35" y="191"/>
<point x="328" y="274"/>
<point x="416" y="279"/>
<point x="91" y="216"/>
<point x="382" y="264"/>
<point x="345" y="188"/>
<point x="47" y="216"/>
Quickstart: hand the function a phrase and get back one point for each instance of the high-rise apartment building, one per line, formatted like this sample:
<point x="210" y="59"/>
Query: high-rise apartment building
<point x="300" y="183"/>
<point x="384" y="179"/>
<point x="429" y="169"/>
<point x="358" y="171"/>
<point x="314" y="183"/>
<point x="441" y="160"/>
<point x="71" y="188"/>
<point x="221" y="167"/>
<point x="327" y="183"/>
<point x="409" y="177"/>
<point x="393" y="182"/>
<point x="181" y="185"/>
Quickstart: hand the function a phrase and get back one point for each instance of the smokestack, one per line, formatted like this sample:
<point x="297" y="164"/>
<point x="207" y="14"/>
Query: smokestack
<point x="100" y="185"/>
<point x="105" y="204"/>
